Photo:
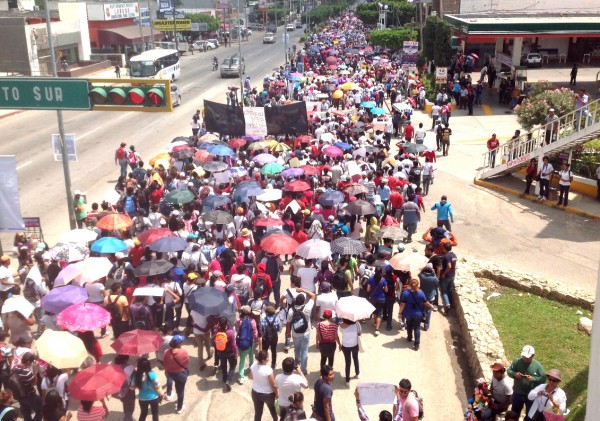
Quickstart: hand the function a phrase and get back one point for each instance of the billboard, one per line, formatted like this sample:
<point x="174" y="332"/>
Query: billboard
<point x="114" y="11"/>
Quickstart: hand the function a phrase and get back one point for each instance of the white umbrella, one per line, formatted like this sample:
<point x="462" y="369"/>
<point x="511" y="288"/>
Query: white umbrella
<point x="79" y="235"/>
<point x="327" y="137"/>
<point x="270" y="195"/>
<point x="18" y="303"/>
<point x="148" y="292"/>
<point x="314" y="249"/>
<point x="412" y="262"/>
<point x="354" y="308"/>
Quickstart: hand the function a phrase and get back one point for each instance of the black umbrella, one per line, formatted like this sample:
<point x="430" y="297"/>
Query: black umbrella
<point x="215" y="166"/>
<point x="217" y="217"/>
<point x="168" y="244"/>
<point x="183" y="154"/>
<point x="248" y="188"/>
<point x="415" y="148"/>
<point x="347" y="246"/>
<point x="208" y="301"/>
<point x="188" y="140"/>
<point x="360" y="207"/>
<point x="155" y="267"/>
<point x="215" y="201"/>
<point x="331" y="198"/>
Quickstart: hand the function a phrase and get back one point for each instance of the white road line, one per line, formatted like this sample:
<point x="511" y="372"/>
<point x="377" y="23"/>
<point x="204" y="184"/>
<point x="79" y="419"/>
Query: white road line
<point x="187" y="86"/>
<point x="24" y="164"/>
<point x="87" y="134"/>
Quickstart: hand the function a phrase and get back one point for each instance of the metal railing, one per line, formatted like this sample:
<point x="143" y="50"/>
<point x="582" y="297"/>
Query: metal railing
<point x="515" y="152"/>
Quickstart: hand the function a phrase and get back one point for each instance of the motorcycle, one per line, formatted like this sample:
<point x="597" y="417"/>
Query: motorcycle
<point x="215" y="65"/>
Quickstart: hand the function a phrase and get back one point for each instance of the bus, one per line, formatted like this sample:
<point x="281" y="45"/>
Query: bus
<point x="156" y="64"/>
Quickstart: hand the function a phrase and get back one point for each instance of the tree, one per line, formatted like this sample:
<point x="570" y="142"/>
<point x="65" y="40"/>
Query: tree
<point x="392" y="38"/>
<point x="367" y="13"/>
<point x="534" y="109"/>
<point x="437" y="40"/>
<point x="212" y="22"/>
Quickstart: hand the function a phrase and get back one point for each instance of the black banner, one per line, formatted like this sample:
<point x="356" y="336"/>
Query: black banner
<point x="224" y="119"/>
<point x="287" y="119"/>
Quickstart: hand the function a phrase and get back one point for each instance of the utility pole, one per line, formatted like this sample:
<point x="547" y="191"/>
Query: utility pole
<point x="175" y="28"/>
<point x="239" y="26"/>
<point x="151" y="26"/>
<point x="61" y="126"/>
<point x="141" y="30"/>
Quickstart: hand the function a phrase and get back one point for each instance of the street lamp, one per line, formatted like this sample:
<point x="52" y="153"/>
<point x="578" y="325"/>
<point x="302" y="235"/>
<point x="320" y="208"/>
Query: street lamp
<point x="383" y="9"/>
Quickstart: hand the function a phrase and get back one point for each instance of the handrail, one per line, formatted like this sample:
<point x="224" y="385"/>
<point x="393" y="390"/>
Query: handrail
<point x="538" y="137"/>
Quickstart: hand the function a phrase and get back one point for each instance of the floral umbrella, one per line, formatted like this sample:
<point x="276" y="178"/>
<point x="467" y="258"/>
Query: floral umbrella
<point x="83" y="317"/>
<point x="69" y="252"/>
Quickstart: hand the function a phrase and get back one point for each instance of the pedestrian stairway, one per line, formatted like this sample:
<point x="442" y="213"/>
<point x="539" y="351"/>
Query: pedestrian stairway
<point x="574" y="128"/>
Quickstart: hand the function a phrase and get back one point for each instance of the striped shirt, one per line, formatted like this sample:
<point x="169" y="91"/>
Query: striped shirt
<point x="97" y="413"/>
<point x="327" y="332"/>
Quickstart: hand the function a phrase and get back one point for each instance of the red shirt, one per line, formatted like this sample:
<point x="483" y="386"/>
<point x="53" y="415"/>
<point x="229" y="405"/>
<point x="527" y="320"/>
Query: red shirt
<point x="492" y="143"/>
<point x="136" y="255"/>
<point x="176" y="361"/>
<point x="409" y="131"/>
<point x="430" y="155"/>
<point x="238" y="243"/>
<point x="268" y="283"/>
<point x="299" y="236"/>
<point x="396" y="199"/>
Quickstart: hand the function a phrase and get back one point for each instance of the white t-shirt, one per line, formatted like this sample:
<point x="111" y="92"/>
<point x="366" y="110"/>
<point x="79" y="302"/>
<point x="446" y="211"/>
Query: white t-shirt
<point x="420" y="133"/>
<point x="349" y="336"/>
<point x="260" y="376"/>
<point x="307" y="310"/>
<point x="6" y="273"/>
<point x="95" y="292"/>
<point x="59" y="384"/>
<point x="326" y="301"/>
<point x="288" y="384"/>
<point x="546" y="171"/>
<point x="173" y="286"/>
<point x="307" y="276"/>
<point x="565" y="177"/>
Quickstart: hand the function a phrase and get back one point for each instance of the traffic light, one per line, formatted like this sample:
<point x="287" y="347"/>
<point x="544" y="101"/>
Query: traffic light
<point x="146" y="95"/>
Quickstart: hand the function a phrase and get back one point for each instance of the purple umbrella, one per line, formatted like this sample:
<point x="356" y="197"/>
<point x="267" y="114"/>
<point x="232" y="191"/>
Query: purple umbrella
<point x="264" y="158"/>
<point x="252" y="138"/>
<point x="62" y="297"/>
<point x="292" y="172"/>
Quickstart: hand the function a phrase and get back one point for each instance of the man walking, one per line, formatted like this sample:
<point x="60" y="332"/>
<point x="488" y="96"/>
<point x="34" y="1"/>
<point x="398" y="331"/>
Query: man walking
<point x="551" y="126"/>
<point x="406" y="406"/>
<point x="446" y="132"/>
<point x="445" y="214"/>
<point x="447" y="276"/>
<point x="226" y="351"/>
<point x="299" y="323"/>
<point x="527" y="373"/>
<point x="322" y="408"/>
<point x="573" y="80"/>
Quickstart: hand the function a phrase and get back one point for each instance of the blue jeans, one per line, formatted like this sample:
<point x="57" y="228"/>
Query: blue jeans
<point x="301" y="350"/>
<point x="179" y="379"/>
<point x="447" y="285"/>
<point x="518" y="401"/>
<point x="413" y="325"/>
<point x="123" y="164"/>
<point x="29" y="404"/>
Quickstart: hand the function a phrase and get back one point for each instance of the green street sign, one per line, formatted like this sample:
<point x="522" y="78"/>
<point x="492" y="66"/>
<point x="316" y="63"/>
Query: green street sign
<point x="35" y="93"/>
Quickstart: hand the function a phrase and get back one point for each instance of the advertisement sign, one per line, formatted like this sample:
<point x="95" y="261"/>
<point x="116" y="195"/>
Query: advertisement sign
<point x="70" y="142"/>
<point x="10" y="205"/>
<point x="256" y="123"/>
<point x="164" y="5"/>
<point x="441" y="75"/>
<point x="410" y="49"/>
<point x="223" y="6"/>
<point x="113" y="11"/>
<point x="168" y="24"/>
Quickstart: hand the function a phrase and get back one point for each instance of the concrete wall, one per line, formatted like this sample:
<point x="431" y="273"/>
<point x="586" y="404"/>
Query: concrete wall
<point x="16" y="58"/>
<point x="524" y="6"/>
<point x="74" y="15"/>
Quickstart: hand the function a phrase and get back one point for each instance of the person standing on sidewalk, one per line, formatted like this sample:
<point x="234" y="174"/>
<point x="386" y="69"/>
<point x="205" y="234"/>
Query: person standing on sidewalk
<point x="492" y="145"/>
<point x="447" y="276"/>
<point x="530" y="174"/>
<point x="544" y="176"/>
<point x="564" y="184"/>
<point x="527" y="373"/>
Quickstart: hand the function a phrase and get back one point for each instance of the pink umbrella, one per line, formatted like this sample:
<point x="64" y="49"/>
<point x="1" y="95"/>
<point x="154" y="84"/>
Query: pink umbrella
<point x="83" y="317"/>
<point x="264" y="158"/>
<point x="333" y="151"/>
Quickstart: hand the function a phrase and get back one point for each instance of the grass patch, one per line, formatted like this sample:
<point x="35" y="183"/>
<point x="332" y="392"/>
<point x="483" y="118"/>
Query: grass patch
<point x="551" y="327"/>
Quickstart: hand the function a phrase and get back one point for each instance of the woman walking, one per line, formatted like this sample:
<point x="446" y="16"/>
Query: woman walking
<point x="412" y="307"/>
<point x="350" y="331"/>
<point x="150" y="393"/>
<point x="327" y="338"/>
<point x="264" y="390"/>
<point x="176" y="362"/>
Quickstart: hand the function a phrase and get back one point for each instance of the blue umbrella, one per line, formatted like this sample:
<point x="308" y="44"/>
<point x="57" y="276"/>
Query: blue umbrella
<point x="343" y="145"/>
<point x="377" y="111"/>
<point x="168" y="244"/>
<point x="248" y="188"/>
<point x="368" y="104"/>
<point x="108" y="245"/>
<point x="62" y="297"/>
<point x="220" y="150"/>
<point x="214" y="201"/>
<point x="331" y="198"/>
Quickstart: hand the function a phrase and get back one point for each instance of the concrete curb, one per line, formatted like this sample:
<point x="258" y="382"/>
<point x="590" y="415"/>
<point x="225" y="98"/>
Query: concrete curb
<point x="532" y="198"/>
<point x="11" y="114"/>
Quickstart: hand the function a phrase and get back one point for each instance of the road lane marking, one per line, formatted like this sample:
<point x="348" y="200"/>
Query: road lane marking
<point x="88" y="133"/>
<point x="24" y="164"/>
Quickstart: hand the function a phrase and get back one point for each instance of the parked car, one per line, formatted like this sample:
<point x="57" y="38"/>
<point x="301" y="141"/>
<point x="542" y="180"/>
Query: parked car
<point x="231" y="66"/>
<point x="269" y="38"/>
<point x="299" y="25"/>
<point x="175" y="95"/>
<point x="215" y="42"/>
<point x="290" y="27"/>
<point x="256" y="26"/>
<point x="199" y="45"/>
<point x="531" y="60"/>
<point x="271" y="27"/>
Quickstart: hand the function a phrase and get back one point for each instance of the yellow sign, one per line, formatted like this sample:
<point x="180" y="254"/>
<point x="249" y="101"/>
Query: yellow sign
<point x="170" y="24"/>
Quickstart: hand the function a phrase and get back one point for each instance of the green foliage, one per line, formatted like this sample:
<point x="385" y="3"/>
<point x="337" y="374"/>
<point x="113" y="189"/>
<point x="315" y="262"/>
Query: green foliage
<point x="392" y="38"/>
<point x="437" y="40"/>
<point x="558" y="343"/>
<point x="534" y="109"/>
<point x="303" y="38"/>
<point x="399" y="12"/>
<point x="367" y="13"/>
<point x="324" y="12"/>
<point x="213" y="23"/>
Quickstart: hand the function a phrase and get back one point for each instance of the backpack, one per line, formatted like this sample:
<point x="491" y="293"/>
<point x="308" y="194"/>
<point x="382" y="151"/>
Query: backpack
<point x="113" y="308"/>
<point x="299" y="322"/>
<point x="420" y="401"/>
<point x="130" y="206"/>
<point x="410" y="192"/>
<point x="245" y="336"/>
<point x="121" y="153"/>
<point x="260" y="283"/>
<point x="242" y="292"/>
<point x="30" y="292"/>
<point x="364" y="280"/>
<point x="270" y="332"/>
<point x="221" y="341"/>
<point x="132" y="158"/>
<point x="141" y="323"/>
<point x="13" y="383"/>
<point x="338" y="280"/>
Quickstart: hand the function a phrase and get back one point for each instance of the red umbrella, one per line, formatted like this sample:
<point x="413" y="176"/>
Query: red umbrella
<point x="304" y="138"/>
<point x="279" y="244"/>
<point x="310" y="170"/>
<point x="268" y="222"/>
<point x="236" y="143"/>
<point x="153" y="234"/>
<point x="137" y="342"/>
<point x="83" y="317"/>
<point x="298" y="185"/>
<point x="183" y="148"/>
<point x="115" y="222"/>
<point x="204" y="156"/>
<point x="97" y="382"/>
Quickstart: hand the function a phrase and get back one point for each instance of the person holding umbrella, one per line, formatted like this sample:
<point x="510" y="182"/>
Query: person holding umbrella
<point x="89" y="412"/>
<point x="176" y="362"/>
<point x="150" y="393"/>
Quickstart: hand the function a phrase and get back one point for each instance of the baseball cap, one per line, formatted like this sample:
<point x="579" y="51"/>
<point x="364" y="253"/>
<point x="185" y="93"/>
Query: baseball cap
<point x="178" y="339"/>
<point x="192" y="276"/>
<point x="528" y="351"/>
<point x="497" y="366"/>
<point x="327" y="313"/>
<point x="119" y="255"/>
<point x="551" y="110"/>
